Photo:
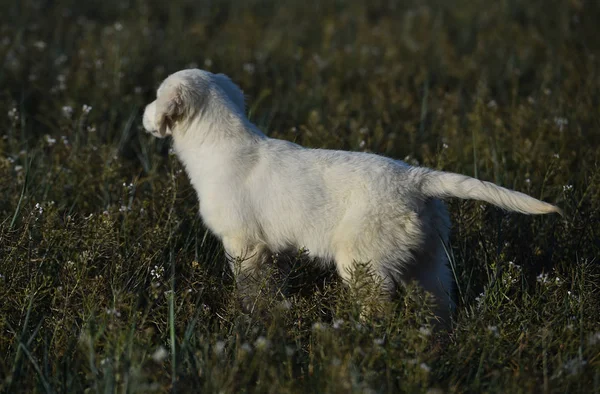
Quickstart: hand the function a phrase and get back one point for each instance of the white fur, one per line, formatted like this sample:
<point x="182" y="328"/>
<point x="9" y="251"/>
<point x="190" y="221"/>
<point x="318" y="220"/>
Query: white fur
<point x="261" y="195"/>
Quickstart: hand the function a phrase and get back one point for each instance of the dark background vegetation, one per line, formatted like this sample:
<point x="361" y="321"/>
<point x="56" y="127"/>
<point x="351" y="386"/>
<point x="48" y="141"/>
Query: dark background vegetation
<point x="109" y="282"/>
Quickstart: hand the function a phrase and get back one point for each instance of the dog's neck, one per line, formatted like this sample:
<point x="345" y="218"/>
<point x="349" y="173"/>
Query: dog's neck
<point x="216" y="147"/>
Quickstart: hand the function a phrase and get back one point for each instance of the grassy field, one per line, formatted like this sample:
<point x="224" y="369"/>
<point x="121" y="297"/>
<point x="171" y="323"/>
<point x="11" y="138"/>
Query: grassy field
<point x="110" y="283"/>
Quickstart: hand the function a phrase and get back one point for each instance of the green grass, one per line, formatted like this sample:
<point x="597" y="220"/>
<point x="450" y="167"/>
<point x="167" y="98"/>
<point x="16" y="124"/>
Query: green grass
<point x="110" y="283"/>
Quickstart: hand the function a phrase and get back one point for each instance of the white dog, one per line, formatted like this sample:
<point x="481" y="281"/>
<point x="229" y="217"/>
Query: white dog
<point x="261" y="195"/>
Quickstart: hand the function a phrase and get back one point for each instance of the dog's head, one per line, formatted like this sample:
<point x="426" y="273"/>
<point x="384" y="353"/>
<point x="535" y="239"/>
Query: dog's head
<point x="189" y="93"/>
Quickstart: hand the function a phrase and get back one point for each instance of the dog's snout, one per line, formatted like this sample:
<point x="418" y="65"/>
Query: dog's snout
<point x="148" y="118"/>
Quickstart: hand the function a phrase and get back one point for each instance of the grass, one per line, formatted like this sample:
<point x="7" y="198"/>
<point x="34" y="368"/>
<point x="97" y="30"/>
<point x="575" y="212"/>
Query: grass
<point x="110" y="283"/>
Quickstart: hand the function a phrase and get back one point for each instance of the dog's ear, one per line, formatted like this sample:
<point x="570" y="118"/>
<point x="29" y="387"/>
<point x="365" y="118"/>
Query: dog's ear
<point x="169" y="107"/>
<point x="235" y="94"/>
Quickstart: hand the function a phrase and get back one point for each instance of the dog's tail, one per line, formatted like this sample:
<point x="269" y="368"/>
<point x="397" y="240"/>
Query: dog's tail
<point x="445" y="184"/>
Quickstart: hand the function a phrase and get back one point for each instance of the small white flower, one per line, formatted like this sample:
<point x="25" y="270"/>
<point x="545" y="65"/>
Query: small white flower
<point x="13" y="114"/>
<point x="246" y="347"/>
<point x="118" y="26"/>
<point x="567" y="188"/>
<point x="594" y="338"/>
<point x="18" y="168"/>
<point x="318" y="326"/>
<point x="285" y="305"/>
<point x="425" y="331"/>
<point x="445" y="145"/>
<point x="425" y="367"/>
<point x="362" y="144"/>
<point x="49" y="140"/>
<point x="556" y="156"/>
<point x="338" y="323"/>
<point x="219" y="348"/>
<point x="494" y="330"/>
<point x="542" y="278"/>
<point x="41" y="45"/>
<point x="561" y="123"/>
<point x="378" y="341"/>
<point x="289" y="351"/>
<point x="574" y="366"/>
<point x="262" y="343"/>
<point x="67" y="111"/>
<point x="86" y="109"/>
<point x="159" y="354"/>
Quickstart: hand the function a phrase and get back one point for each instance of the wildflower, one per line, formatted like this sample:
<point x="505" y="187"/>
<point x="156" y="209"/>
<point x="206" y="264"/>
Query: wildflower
<point x="567" y="188"/>
<point x="113" y="312"/>
<point x="18" y="168"/>
<point x="318" y="326"/>
<point x="445" y="145"/>
<point x="378" y="341"/>
<point x="49" y="140"/>
<point x="67" y="111"/>
<point x="425" y="331"/>
<point x="41" y="45"/>
<point x="118" y="26"/>
<point x="285" y="305"/>
<point x="60" y="60"/>
<point x="338" y="323"/>
<point x="561" y="122"/>
<point x="219" y="347"/>
<point x="262" y="343"/>
<point x="159" y="354"/>
<point x="574" y="366"/>
<point x="425" y="367"/>
<point x="13" y="115"/>
<point x="556" y="156"/>
<point x="494" y="330"/>
<point x="86" y="109"/>
<point x="542" y="278"/>
<point x="480" y="298"/>
<point x="362" y="144"/>
<point x="157" y="272"/>
<point x="91" y="129"/>
<point x="65" y="140"/>
<point x="246" y="347"/>
<point x="594" y="339"/>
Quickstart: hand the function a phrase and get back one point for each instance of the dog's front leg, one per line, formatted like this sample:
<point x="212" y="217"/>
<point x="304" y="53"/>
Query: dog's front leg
<point x="245" y="259"/>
